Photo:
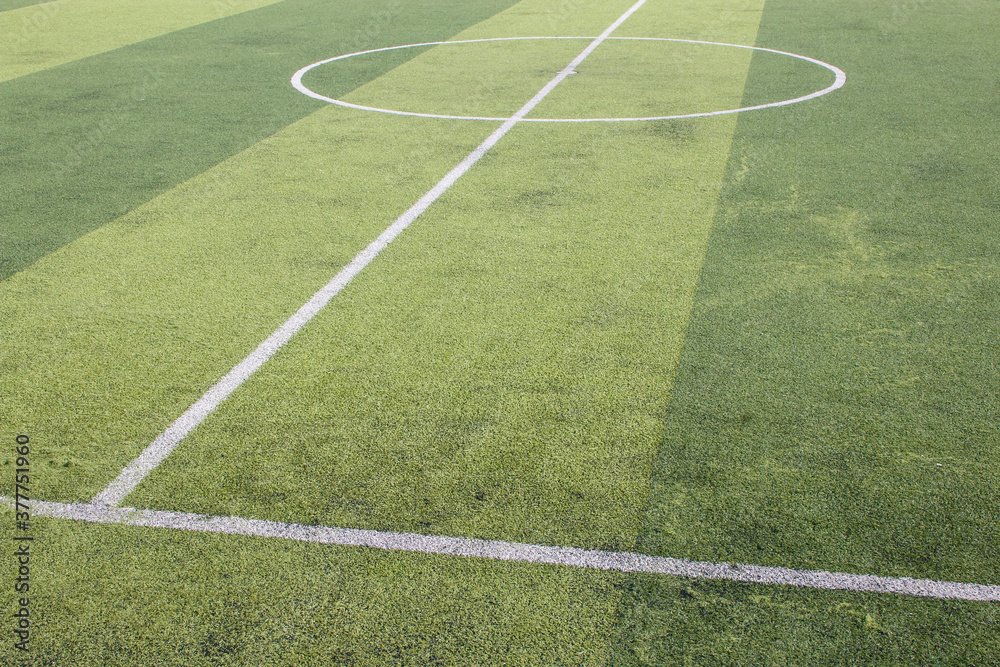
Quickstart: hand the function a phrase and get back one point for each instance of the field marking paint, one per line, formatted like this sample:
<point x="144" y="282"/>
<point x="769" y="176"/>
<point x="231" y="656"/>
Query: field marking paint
<point x="515" y="552"/>
<point x="166" y="442"/>
<point x="839" y="79"/>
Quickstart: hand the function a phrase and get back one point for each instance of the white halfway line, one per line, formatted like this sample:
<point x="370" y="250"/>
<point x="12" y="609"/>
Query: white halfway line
<point x="166" y="442"/>
<point x="516" y="552"/>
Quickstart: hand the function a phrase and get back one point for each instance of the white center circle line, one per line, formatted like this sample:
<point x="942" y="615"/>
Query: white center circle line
<point x="839" y="79"/>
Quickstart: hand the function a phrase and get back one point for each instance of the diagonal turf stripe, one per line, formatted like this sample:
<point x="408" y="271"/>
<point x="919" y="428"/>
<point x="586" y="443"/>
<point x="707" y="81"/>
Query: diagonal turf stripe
<point x="86" y="142"/>
<point x="517" y="552"/>
<point x="835" y="404"/>
<point x="7" y="5"/>
<point x="46" y="35"/>
<point x="822" y="436"/>
<point x="153" y="455"/>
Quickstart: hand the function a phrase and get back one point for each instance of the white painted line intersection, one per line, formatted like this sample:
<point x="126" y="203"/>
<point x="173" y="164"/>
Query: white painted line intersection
<point x="515" y="552"/>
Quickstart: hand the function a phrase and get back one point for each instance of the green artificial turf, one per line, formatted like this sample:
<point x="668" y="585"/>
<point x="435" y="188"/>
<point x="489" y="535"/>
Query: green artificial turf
<point x="499" y="372"/>
<point x="145" y="314"/>
<point x="835" y="405"/>
<point x="767" y="339"/>
<point x="81" y="148"/>
<point x="59" y="32"/>
<point x="6" y="5"/>
<point x="669" y="621"/>
<point x="116" y="595"/>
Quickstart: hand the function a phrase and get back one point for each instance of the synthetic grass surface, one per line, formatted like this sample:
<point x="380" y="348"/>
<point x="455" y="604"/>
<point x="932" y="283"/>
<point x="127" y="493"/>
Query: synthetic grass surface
<point x="113" y="595"/>
<point x="666" y="621"/>
<point x="148" y="312"/>
<point x="500" y="371"/>
<point x="6" y="5"/>
<point x="835" y="406"/>
<point x="180" y="598"/>
<point x="58" y="32"/>
<point x="842" y="360"/>
<point x="506" y="368"/>
<point x="81" y="148"/>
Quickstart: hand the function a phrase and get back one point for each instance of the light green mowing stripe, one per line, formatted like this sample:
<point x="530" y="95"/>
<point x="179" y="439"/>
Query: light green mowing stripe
<point x="151" y="457"/>
<point x="114" y="335"/>
<point x="714" y="20"/>
<point x="40" y="36"/>
<point x="133" y="597"/>
<point x="501" y="370"/>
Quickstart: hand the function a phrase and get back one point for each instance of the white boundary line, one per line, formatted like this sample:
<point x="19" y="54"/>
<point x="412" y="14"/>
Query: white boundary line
<point x="839" y="79"/>
<point x="166" y="442"/>
<point x="516" y="552"/>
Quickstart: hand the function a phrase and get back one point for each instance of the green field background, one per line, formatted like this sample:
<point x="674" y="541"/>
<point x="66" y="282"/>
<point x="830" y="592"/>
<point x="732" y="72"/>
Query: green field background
<point x="768" y="339"/>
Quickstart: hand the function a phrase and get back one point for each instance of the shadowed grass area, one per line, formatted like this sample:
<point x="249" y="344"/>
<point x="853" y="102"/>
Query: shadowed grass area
<point x="81" y="148"/>
<point x="6" y="5"/>
<point x="62" y="31"/>
<point x="719" y="623"/>
<point x="836" y="403"/>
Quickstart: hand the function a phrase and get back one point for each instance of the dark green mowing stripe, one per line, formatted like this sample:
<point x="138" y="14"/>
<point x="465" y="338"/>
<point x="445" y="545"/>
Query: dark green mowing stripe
<point x="6" y="5"/>
<point x="836" y="404"/>
<point x="82" y="144"/>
